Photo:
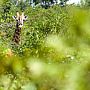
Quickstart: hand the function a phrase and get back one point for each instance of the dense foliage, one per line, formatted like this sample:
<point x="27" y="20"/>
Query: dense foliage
<point x="53" y="53"/>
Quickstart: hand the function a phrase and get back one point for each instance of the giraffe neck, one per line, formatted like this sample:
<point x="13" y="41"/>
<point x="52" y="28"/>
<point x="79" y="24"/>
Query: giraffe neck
<point x="16" y="37"/>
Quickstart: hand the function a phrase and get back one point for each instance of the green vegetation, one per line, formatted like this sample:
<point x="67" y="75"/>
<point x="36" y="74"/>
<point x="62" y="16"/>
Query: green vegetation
<point x="54" y="51"/>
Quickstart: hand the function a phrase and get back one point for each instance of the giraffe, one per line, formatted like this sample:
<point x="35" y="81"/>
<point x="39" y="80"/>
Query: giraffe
<point x="19" y="23"/>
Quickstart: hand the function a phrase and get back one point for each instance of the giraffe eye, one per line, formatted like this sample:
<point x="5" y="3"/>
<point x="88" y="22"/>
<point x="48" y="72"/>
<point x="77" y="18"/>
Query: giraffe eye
<point x="17" y="20"/>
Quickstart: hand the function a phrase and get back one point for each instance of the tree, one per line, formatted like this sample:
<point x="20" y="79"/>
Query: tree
<point x="63" y="2"/>
<point x="87" y="3"/>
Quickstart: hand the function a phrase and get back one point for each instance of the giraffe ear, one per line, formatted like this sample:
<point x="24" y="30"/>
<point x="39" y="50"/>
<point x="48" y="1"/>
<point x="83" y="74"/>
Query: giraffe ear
<point x="25" y="18"/>
<point x="14" y="17"/>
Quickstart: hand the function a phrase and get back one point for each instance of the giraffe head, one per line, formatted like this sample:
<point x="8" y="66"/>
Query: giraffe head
<point x="20" y="19"/>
